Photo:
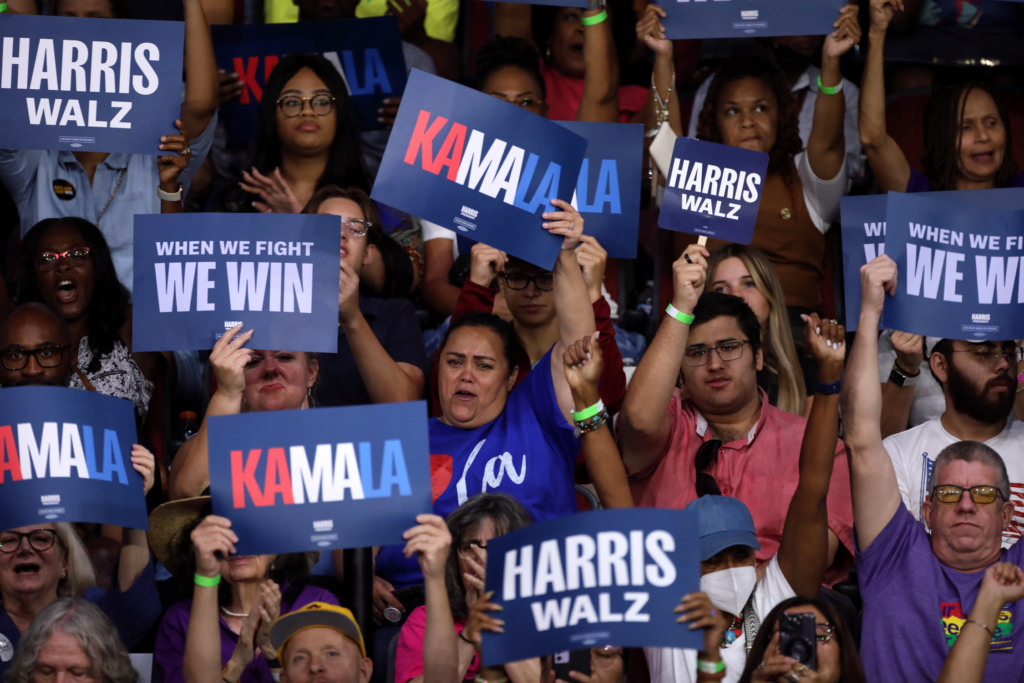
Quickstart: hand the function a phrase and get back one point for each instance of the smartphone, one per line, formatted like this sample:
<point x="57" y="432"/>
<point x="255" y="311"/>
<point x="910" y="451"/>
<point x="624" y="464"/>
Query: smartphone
<point x="798" y="638"/>
<point x="571" y="660"/>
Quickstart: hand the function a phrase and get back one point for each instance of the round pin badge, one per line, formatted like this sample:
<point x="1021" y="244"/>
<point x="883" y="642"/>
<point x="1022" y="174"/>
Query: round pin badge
<point x="6" y="649"/>
<point x="64" y="190"/>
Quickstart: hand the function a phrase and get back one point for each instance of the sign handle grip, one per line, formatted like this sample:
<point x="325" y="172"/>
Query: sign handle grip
<point x="702" y="240"/>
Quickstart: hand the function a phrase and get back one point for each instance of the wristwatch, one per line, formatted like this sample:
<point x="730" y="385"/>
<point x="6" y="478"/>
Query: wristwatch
<point x="901" y="378"/>
<point x="169" y="196"/>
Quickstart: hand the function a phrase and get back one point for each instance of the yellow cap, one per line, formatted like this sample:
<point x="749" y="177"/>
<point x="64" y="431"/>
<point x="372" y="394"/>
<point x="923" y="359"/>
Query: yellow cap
<point x="314" y="615"/>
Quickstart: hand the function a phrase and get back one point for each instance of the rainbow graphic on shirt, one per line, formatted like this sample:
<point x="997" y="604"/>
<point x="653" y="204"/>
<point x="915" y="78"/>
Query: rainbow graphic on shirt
<point x="953" y="620"/>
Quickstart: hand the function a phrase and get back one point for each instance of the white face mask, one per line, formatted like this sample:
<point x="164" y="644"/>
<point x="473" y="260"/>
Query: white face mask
<point x="729" y="589"/>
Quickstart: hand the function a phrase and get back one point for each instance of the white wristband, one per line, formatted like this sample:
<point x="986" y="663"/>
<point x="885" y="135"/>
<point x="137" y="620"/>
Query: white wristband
<point x="168" y="196"/>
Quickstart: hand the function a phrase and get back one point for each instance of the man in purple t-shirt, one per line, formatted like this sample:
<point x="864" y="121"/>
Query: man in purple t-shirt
<point x="918" y="590"/>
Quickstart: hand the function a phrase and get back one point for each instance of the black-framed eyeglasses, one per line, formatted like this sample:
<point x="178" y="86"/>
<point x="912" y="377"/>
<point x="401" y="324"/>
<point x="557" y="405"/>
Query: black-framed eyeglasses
<point x="515" y="281"/>
<point x="292" y="105"/>
<point x="731" y="349"/>
<point x="466" y="548"/>
<point x="46" y="357"/>
<point x="980" y="495"/>
<point x="48" y="259"/>
<point x="356" y="227"/>
<point x="40" y="539"/>
<point x="991" y="356"/>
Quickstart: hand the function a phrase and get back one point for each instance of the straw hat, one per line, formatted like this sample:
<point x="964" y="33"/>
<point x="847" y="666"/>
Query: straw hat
<point x="165" y="527"/>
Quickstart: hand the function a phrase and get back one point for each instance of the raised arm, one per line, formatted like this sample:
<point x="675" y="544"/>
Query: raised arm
<point x="171" y="165"/>
<point x="583" y="366"/>
<point x="889" y="163"/>
<point x="134" y="544"/>
<point x="386" y="380"/>
<point x="202" y="83"/>
<point x="644" y="423"/>
<point x="826" y="146"/>
<point x="445" y="658"/>
<point x="803" y="551"/>
<point x="572" y="300"/>
<point x="876" y="495"/>
<point x="1002" y="584"/>
<point x="651" y="32"/>
<point x="191" y="471"/>
<point x="600" y="100"/>
<point x="898" y="401"/>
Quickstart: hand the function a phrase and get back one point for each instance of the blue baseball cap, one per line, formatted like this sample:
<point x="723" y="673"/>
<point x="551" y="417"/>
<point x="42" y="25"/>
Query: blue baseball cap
<point x="723" y="523"/>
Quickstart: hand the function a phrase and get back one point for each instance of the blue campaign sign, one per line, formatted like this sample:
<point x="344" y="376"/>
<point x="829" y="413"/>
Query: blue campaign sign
<point x="608" y="188"/>
<point x="66" y="456"/>
<point x="479" y="166"/>
<point x="198" y="275"/>
<point x="329" y="478"/>
<point x="607" y="577"/>
<point x="84" y="85"/>
<point x="958" y="268"/>
<point x="863" y="230"/>
<point x="713" y="190"/>
<point x="744" y="18"/>
<point x="367" y="53"/>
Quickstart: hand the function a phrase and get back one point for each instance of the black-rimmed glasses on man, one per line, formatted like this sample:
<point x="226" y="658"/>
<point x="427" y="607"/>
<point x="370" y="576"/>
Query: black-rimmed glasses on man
<point x="46" y="357"/>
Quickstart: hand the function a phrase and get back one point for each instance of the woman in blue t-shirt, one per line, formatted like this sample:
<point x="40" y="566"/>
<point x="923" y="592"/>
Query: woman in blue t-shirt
<point x="490" y="437"/>
<point x="966" y="130"/>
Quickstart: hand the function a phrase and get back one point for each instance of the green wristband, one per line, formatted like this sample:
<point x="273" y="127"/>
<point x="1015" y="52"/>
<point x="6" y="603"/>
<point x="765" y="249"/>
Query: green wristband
<point x="684" y="318"/>
<point x="588" y="413"/>
<point x="830" y="91"/>
<point x="596" y="19"/>
<point x="207" y="581"/>
<point x="710" y="667"/>
<point x="3" y="6"/>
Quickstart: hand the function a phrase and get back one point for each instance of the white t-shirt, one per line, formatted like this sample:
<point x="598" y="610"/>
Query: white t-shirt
<point x="913" y="453"/>
<point x="680" y="666"/>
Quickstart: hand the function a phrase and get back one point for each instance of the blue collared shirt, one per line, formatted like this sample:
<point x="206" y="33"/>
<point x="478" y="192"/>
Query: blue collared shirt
<point x="30" y="176"/>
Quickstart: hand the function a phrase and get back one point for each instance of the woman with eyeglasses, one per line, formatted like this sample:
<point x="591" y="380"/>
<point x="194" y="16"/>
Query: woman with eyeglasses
<point x="838" y="660"/>
<point x="307" y="138"/>
<point x="453" y="558"/>
<point x="380" y="356"/>
<point x="66" y="264"/>
<point x="44" y="562"/>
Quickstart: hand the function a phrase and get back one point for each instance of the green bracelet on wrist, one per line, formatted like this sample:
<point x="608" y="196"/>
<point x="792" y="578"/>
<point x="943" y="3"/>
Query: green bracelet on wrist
<point x="710" y="667"/>
<point x="588" y="413"/>
<point x="596" y="19"/>
<point x="207" y="581"/>
<point x="830" y="91"/>
<point x="674" y="312"/>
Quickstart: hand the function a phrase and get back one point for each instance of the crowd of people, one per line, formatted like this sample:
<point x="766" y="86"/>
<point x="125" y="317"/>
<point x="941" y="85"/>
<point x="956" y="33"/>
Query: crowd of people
<point x="831" y="476"/>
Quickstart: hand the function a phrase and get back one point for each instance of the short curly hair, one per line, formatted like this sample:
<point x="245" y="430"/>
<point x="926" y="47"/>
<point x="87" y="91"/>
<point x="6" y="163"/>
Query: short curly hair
<point x="787" y="139"/>
<point x="86" y="623"/>
<point x="502" y="52"/>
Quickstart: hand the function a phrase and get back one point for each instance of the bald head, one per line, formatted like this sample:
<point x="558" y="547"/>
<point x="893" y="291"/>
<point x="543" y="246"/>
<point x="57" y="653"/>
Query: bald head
<point x="35" y="345"/>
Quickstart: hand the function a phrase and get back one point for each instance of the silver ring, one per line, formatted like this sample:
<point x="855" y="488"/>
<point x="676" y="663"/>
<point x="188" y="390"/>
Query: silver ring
<point x="793" y="677"/>
<point x="570" y="225"/>
<point x="187" y="150"/>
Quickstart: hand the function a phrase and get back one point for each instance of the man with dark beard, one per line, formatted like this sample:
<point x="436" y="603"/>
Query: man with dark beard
<point x="979" y="381"/>
<point x="35" y="347"/>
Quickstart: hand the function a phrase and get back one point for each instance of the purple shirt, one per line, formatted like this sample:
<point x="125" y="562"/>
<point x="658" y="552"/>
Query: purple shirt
<point x="914" y="607"/>
<point x="918" y="183"/>
<point x="169" y="653"/>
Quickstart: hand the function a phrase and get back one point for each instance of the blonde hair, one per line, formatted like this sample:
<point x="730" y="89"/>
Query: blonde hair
<point x="80" y="576"/>
<point x="777" y="338"/>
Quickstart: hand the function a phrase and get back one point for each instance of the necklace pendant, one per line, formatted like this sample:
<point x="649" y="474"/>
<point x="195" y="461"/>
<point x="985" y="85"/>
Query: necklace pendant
<point x="786" y="214"/>
<point x="729" y="637"/>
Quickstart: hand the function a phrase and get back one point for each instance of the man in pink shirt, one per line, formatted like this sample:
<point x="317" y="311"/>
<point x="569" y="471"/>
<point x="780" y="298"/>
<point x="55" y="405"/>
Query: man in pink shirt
<point x="712" y="342"/>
